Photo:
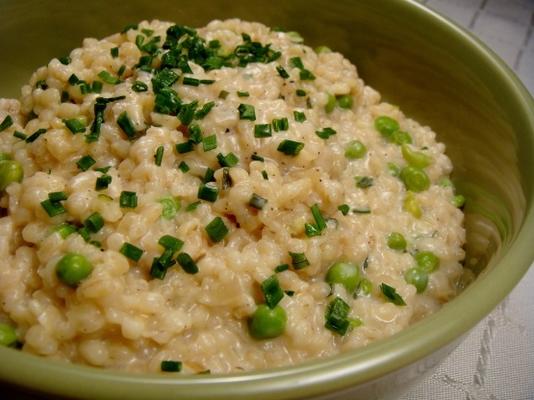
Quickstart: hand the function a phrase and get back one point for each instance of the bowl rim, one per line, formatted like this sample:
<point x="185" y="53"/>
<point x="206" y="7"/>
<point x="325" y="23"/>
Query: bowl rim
<point x="319" y="376"/>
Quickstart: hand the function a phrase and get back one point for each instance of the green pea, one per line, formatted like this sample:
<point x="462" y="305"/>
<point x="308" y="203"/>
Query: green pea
<point x="355" y="149"/>
<point x="323" y="49"/>
<point x="396" y="241"/>
<point x="415" y="179"/>
<point x="416" y="159"/>
<point x="458" y="201"/>
<point x="345" y="101"/>
<point x="418" y="278"/>
<point x="330" y="104"/>
<point x="267" y="323"/>
<point x="5" y="156"/>
<point x="8" y="336"/>
<point x="73" y="268"/>
<point x="10" y="171"/>
<point x="427" y="261"/>
<point x="344" y="273"/>
<point x="412" y="206"/>
<point x="365" y="287"/>
<point x="386" y="126"/>
<point x="401" y="137"/>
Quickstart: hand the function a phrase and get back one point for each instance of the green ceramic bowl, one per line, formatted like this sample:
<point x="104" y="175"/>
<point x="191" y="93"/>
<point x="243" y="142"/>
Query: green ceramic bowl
<point x="438" y="73"/>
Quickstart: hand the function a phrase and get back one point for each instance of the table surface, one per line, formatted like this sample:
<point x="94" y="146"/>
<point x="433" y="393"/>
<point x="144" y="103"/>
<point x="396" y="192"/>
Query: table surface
<point x="496" y="360"/>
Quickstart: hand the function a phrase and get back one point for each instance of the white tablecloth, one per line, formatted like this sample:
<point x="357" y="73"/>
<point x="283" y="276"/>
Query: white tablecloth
<point x="496" y="361"/>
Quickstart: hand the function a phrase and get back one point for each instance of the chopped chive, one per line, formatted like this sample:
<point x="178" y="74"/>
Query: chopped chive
<point x="216" y="230"/>
<point x="126" y="124"/>
<point x="20" y="135"/>
<point x="290" y="147"/>
<point x="114" y="52"/>
<point x="296" y="62"/>
<point x="52" y="208"/>
<point x="184" y="147"/>
<point x="73" y="79"/>
<point x="299" y="260"/>
<point x="187" y="112"/>
<point x="257" y="201"/>
<point x="104" y="170"/>
<point x="208" y="192"/>
<point x="295" y="37"/>
<point x="160" y="264"/>
<point x="75" y="125"/>
<point x="84" y="87"/>
<point x="121" y="70"/>
<point x="41" y="84"/>
<point x="171" y="243"/>
<point x="226" y="178"/>
<point x="282" y="72"/>
<point x="336" y="316"/>
<point x="272" y="292"/>
<point x="170" y="207"/>
<point x="361" y="211"/>
<point x="262" y="130"/>
<point x="281" y="268"/>
<point x="265" y="175"/>
<point x="300" y="93"/>
<point x="164" y="79"/>
<point x="171" y="366"/>
<point x="209" y="143"/>
<point x="190" y="81"/>
<point x="108" y="78"/>
<point x="390" y="293"/>
<point x="319" y="219"/>
<point x="139" y="86"/>
<point x="306" y="75"/>
<point x="65" y="60"/>
<point x="94" y="222"/>
<point x="35" y="135"/>
<point x="325" y="133"/>
<point x="223" y="94"/>
<point x="281" y="124"/>
<point x="299" y="116"/>
<point x="311" y="230"/>
<point x="195" y="133"/>
<point x="85" y="162"/>
<point x="256" y="157"/>
<point x="128" y="199"/>
<point x="57" y="196"/>
<point x="65" y="96"/>
<point x="128" y="27"/>
<point x="207" y="81"/>
<point x="183" y="167"/>
<point x="209" y="175"/>
<point x="206" y="108"/>
<point x="243" y="94"/>
<point x="96" y="87"/>
<point x="192" y="207"/>
<point x="187" y="263"/>
<point x="344" y="208"/>
<point x="102" y="182"/>
<point x="158" y="157"/>
<point x="246" y="111"/>
<point x="229" y="160"/>
<point x="65" y="230"/>
<point x="147" y="32"/>
<point x="364" y="182"/>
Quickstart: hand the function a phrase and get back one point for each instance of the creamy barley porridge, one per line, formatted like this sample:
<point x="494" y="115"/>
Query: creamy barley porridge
<point x="222" y="199"/>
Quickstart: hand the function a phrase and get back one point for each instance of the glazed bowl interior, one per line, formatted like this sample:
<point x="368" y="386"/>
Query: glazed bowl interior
<point x="436" y="73"/>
